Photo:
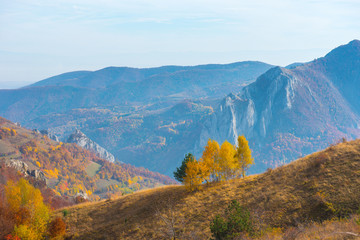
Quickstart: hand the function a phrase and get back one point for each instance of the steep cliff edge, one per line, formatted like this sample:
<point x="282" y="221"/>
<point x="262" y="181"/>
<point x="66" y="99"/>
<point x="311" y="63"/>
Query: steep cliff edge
<point x="83" y="141"/>
<point x="286" y="113"/>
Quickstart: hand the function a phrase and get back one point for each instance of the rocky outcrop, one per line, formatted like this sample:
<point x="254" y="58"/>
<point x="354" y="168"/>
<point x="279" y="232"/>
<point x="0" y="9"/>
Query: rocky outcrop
<point x="18" y="165"/>
<point x="81" y="196"/>
<point x="50" y="135"/>
<point x="38" y="175"/>
<point x="83" y="141"/>
<point x="36" y="131"/>
<point x="24" y="169"/>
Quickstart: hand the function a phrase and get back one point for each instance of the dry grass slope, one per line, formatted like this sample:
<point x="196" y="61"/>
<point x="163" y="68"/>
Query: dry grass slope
<point x="317" y="187"/>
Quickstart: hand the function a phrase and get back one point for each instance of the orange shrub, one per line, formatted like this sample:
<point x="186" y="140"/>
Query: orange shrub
<point x="57" y="228"/>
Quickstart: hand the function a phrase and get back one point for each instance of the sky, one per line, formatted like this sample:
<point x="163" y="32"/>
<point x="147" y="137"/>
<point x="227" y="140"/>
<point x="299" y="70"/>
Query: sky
<point x="42" y="38"/>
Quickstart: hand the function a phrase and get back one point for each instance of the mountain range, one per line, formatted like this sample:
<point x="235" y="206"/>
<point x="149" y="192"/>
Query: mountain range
<point x="153" y="117"/>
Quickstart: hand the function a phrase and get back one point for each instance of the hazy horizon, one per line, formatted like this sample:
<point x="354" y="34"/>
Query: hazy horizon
<point x="43" y="39"/>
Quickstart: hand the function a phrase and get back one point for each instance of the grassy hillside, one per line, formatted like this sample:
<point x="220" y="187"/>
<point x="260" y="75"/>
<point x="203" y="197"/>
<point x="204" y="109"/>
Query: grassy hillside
<point x="314" y="188"/>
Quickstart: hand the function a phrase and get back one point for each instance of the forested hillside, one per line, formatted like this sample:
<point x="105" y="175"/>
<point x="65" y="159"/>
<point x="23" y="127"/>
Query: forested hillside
<point x="68" y="169"/>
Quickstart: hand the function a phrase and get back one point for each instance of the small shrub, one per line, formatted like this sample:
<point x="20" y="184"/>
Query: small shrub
<point x="219" y="228"/>
<point x="322" y="209"/>
<point x="320" y="160"/>
<point x="65" y="212"/>
<point x="237" y="221"/>
<point x="57" y="228"/>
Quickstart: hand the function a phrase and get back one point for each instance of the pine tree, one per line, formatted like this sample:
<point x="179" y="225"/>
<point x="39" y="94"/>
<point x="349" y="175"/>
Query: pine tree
<point x="179" y="174"/>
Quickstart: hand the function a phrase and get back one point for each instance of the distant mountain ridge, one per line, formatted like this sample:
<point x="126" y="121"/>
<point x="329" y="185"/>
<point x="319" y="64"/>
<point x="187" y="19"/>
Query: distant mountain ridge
<point x="114" y="75"/>
<point x="126" y="87"/>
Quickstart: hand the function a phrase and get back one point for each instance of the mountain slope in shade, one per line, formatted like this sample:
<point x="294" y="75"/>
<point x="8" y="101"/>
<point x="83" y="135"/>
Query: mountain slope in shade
<point x="83" y="141"/>
<point x="289" y="112"/>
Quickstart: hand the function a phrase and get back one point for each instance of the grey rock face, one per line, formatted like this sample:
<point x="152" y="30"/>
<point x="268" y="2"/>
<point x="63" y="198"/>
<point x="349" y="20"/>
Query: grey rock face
<point x="24" y="169"/>
<point x="82" y="194"/>
<point x="18" y="165"/>
<point x="38" y="175"/>
<point x="50" y="135"/>
<point x="36" y="131"/>
<point x="83" y="141"/>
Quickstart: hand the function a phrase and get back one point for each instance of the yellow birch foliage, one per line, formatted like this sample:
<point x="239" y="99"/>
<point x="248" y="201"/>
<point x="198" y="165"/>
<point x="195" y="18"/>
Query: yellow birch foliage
<point x="209" y="160"/>
<point x="243" y="155"/>
<point x="226" y="161"/>
<point x="193" y="178"/>
<point x="26" y="204"/>
<point x="13" y="132"/>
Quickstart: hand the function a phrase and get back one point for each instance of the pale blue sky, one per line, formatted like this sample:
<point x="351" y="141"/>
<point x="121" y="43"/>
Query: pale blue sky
<point x="42" y="38"/>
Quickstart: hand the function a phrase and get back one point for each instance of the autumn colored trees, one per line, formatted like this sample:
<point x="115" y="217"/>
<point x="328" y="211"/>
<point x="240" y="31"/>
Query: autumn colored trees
<point x="67" y="166"/>
<point x="243" y="155"/>
<point x="7" y="132"/>
<point x="217" y="163"/>
<point x="27" y="213"/>
<point x="26" y="205"/>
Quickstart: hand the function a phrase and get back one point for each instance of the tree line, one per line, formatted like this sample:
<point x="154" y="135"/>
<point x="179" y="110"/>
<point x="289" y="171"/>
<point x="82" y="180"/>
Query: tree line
<point x="217" y="163"/>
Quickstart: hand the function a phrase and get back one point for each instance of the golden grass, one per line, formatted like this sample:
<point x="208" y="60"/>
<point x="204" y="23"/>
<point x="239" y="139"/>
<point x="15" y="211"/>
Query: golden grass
<point x="337" y="229"/>
<point x="92" y="169"/>
<point x="318" y="187"/>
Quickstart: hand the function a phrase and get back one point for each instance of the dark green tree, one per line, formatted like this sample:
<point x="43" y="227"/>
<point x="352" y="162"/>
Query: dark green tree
<point x="179" y="174"/>
<point x="237" y="221"/>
